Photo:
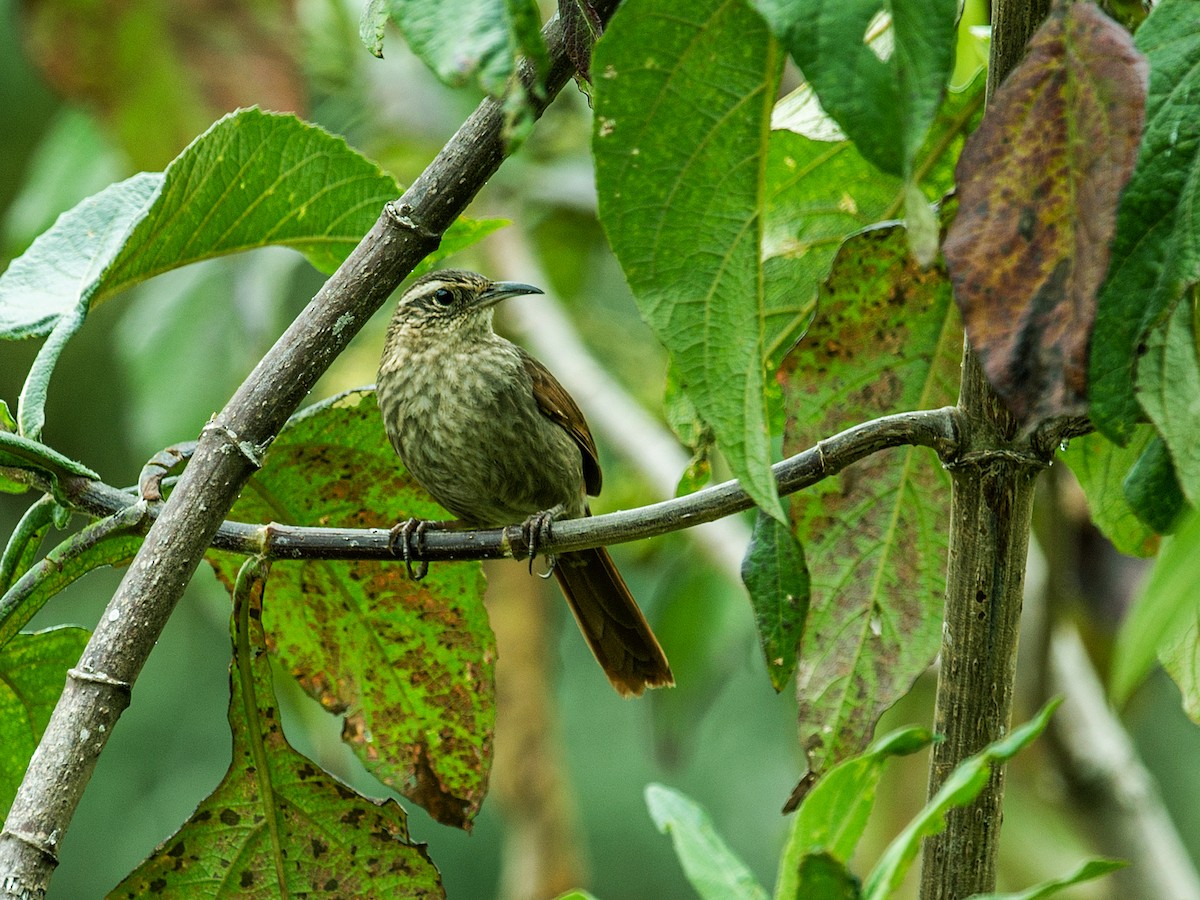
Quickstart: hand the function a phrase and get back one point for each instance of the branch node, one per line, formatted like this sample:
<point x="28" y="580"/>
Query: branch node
<point x="981" y="459"/>
<point x="400" y="215"/>
<point x="252" y="452"/>
<point x="83" y="675"/>
<point x="44" y="845"/>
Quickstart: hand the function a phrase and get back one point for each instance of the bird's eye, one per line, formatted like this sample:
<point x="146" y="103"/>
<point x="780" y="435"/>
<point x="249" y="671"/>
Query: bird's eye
<point x="443" y="297"/>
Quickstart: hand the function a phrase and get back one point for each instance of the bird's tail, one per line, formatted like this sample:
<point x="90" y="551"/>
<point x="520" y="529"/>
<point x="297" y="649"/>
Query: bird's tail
<point x="612" y="623"/>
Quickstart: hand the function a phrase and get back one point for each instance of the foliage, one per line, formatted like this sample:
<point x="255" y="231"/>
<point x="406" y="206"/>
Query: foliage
<point x="760" y="241"/>
<point x="830" y="823"/>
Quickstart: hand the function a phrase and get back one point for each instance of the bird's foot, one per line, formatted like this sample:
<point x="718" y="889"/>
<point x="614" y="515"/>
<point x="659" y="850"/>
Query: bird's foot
<point x="406" y="540"/>
<point x="536" y="530"/>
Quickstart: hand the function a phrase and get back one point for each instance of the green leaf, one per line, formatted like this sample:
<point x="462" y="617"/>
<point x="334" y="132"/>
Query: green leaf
<point x="277" y="825"/>
<point x="65" y="266"/>
<point x="371" y="25"/>
<point x="884" y="100"/>
<point x="887" y="339"/>
<point x="710" y="866"/>
<point x="833" y="816"/>
<point x="33" y="668"/>
<point x="253" y="179"/>
<point x="1169" y="384"/>
<point x="113" y="541"/>
<point x="960" y="788"/>
<point x="1103" y="470"/>
<point x="24" y="542"/>
<point x="470" y="41"/>
<point x="821" y="877"/>
<point x="1087" y="871"/>
<point x="409" y="664"/>
<point x="1156" y="250"/>
<point x="1179" y="654"/>
<point x="1151" y="487"/>
<point x="23" y="453"/>
<point x="1166" y="609"/>
<point x="777" y="578"/>
<point x="682" y="115"/>
<point x="820" y="192"/>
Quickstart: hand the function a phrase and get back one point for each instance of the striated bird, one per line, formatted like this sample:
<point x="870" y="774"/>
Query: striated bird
<point x="495" y="439"/>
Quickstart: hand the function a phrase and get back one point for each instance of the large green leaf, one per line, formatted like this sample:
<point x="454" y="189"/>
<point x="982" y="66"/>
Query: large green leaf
<point x="1168" y="386"/>
<point x="833" y="816"/>
<point x="253" y="179"/>
<point x="409" y="664"/>
<point x="682" y="115"/>
<point x="462" y="41"/>
<point x="960" y="788"/>
<point x="1164" y="616"/>
<point x="1102" y="468"/>
<point x="711" y="867"/>
<point x="1156" y="251"/>
<point x="884" y="98"/>
<point x="278" y="826"/>
<point x="886" y="339"/>
<point x="33" y="669"/>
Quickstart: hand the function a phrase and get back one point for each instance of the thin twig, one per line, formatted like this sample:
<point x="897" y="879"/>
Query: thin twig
<point x="935" y="428"/>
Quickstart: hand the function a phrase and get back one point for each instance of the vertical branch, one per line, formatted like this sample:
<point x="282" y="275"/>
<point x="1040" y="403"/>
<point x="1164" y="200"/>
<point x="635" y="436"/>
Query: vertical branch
<point x="991" y="508"/>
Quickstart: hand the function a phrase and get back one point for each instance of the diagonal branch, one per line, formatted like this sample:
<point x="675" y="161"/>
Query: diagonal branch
<point x="229" y="450"/>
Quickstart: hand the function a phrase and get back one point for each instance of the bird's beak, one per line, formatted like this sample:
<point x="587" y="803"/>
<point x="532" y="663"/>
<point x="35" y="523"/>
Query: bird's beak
<point x="502" y="290"/>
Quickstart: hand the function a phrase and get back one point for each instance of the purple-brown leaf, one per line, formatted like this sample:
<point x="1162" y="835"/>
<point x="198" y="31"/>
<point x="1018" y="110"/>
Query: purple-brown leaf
<point x="1039" y="183"/>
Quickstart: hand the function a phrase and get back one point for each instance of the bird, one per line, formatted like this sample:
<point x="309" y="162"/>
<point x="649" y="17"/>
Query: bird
<point x="494" y="438"/>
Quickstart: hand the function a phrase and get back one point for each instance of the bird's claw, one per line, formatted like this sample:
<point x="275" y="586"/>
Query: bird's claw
<point x="536" y="530"/>
<point x="400" y="543"/>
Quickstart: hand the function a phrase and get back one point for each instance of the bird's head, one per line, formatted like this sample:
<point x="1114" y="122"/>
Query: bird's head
<point x="453" y="301"/>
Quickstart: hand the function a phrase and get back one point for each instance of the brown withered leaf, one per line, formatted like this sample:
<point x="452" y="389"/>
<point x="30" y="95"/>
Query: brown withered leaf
<point x="1038" y="184"/>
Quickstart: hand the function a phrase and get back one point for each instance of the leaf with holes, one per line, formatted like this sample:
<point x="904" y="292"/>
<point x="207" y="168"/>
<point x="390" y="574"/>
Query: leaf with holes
<point x="277" y="825"/>
<point x="886" y="339"/>
<point x="408" y="664"/>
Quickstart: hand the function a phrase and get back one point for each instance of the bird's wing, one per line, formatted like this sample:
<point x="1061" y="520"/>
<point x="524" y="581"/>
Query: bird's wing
<point x="558" y="406"/>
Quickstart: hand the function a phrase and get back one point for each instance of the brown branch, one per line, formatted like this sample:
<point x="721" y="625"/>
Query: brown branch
<point x="228" y="453"/>
<point x="990" y="509"/>
<point x="934" y="428"/>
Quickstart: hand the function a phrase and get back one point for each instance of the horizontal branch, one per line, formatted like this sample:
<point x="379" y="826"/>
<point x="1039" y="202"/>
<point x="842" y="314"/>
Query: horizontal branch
<point x="937" y="429"/>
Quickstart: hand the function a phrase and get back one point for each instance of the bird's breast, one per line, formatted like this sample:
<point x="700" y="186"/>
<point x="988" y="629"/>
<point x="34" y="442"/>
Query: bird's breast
<point x="467" y="427"/>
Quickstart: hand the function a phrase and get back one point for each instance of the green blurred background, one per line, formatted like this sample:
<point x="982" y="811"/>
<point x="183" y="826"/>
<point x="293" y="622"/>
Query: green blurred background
<point x="91" y="92"/>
